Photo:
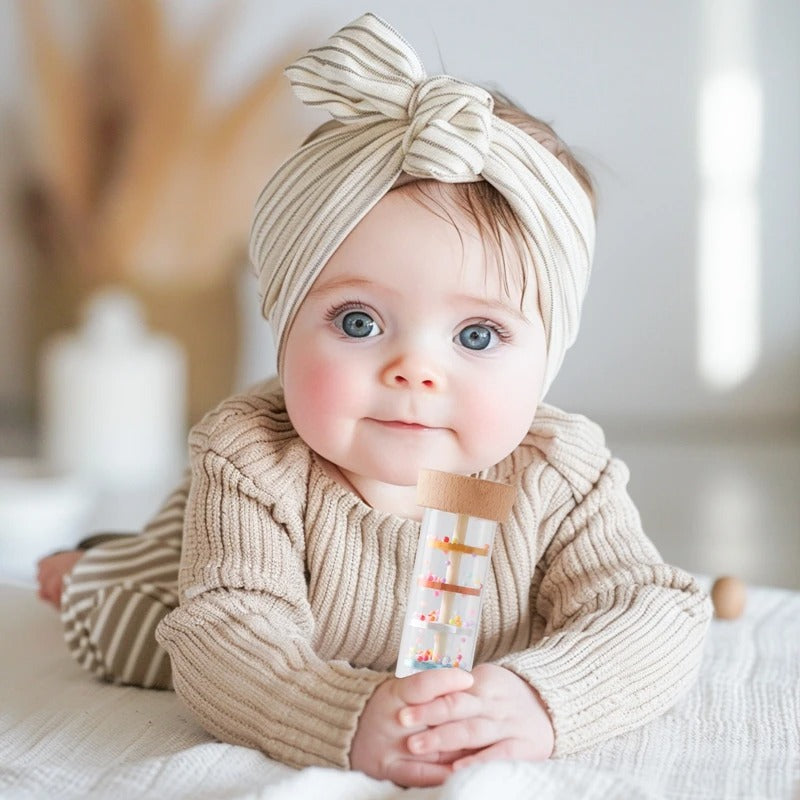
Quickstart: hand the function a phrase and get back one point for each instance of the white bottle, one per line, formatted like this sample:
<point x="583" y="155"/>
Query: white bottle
<point x="113" y="399"/>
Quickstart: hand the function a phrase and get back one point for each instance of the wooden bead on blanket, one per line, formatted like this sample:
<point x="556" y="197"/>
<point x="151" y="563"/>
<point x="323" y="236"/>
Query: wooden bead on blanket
<point x="728" y="596"/>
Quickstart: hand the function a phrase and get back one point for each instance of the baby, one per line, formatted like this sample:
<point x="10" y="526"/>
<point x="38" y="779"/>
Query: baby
<point x="423" y="261"/>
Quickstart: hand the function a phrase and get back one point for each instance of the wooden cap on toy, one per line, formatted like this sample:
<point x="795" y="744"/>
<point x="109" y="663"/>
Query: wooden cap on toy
<point x="459" y="494"/>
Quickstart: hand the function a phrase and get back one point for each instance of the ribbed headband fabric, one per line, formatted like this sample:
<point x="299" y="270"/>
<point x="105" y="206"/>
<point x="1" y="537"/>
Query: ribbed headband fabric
<point x="397" y="120"/>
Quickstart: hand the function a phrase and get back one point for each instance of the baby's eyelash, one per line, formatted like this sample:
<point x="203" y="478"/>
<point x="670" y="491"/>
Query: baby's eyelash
<point x="339" y="308"/>
<point x="503" y="333"/>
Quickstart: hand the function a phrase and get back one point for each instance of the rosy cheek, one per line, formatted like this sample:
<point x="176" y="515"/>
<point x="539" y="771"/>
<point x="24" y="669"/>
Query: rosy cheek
<point x="487" y="419"/>
<point x="497" y="416"/>
<point x="319" y="389"/>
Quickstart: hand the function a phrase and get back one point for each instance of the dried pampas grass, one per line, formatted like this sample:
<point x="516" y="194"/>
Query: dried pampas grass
<point x="136" y="174"/>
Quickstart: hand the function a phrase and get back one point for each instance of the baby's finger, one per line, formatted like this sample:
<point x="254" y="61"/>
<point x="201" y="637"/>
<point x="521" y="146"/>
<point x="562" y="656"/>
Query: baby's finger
<point x="447" y="708"/>
<point x="438" y="758"/>
<point x="450" y="758"/>
<point x="504" y="750"/>
<point x="418" y="773"/>
<point x="474" y="732"/>
<point x="426" y="686"/>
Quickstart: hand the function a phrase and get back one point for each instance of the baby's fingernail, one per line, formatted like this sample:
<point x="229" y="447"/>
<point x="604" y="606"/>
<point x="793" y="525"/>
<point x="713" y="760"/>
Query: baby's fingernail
<point x="406" y="718"/>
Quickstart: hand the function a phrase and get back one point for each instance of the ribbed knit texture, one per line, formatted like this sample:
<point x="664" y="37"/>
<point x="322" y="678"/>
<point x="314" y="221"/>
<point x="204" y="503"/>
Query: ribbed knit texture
<point x="117" y="594"/>
<point x="293" y="591"/>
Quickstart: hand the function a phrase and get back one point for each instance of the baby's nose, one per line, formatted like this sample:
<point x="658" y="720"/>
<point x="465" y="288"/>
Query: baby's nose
<point x="413" y="371"/>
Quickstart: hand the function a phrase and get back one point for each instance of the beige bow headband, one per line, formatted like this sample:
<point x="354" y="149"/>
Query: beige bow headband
<point x="397" y="120"/>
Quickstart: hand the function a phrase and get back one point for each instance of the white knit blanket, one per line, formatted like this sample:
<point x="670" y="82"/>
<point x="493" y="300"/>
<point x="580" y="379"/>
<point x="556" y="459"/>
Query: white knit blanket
<point x="735" y="735"/>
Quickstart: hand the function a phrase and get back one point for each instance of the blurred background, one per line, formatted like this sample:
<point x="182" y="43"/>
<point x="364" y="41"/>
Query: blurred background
<point x="136" y="134"/>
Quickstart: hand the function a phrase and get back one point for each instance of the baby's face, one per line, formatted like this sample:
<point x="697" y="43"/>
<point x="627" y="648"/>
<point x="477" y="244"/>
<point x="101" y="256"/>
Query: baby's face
<point x="408" y="353"/>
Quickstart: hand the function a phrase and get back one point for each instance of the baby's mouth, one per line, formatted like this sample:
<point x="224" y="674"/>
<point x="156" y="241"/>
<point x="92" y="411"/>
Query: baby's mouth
<point x="403" y="425"/>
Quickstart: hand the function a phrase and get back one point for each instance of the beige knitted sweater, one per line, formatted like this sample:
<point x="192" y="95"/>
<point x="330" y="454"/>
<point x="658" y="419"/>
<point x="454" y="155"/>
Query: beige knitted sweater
<point x="293" y="591"/>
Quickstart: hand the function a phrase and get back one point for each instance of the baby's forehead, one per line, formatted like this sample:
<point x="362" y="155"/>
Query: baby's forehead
<point x="446" y="232"/>
<point x="481" y="216"/>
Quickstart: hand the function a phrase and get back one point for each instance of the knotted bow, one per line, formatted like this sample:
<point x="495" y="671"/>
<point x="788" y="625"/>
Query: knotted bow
<point x="367" y="73"/>
<point x="396" y="120"/>
<point x="449" y="131"/>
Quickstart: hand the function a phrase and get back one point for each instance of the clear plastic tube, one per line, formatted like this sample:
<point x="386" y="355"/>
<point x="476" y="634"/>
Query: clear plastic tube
<point x="453" y="553"/>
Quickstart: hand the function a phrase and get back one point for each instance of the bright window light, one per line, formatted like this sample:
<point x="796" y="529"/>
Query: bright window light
<point x="729" y="290"/>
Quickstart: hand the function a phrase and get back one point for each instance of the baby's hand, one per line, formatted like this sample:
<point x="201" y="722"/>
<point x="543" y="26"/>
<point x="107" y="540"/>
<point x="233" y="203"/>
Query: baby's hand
<point x="51" y="571"/>
<point x="379" y="746"/>
<point x="500" y="716"/>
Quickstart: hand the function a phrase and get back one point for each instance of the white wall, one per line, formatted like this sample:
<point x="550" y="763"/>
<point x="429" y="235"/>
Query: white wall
<point x="620" y="81"/>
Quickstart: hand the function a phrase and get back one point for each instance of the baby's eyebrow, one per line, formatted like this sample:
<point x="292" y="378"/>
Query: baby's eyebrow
<point x="351" y="282"/>
<point x="497" y="305"/>
<point x="336" y="284"/>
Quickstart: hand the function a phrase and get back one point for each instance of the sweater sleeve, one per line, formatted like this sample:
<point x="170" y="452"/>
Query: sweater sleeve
<point x="623" y="631"/>
<point x="241" y="642"/>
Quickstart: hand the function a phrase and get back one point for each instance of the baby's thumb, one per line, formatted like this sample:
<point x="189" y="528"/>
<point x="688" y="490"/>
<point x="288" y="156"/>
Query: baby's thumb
<point x="423" y="687"/>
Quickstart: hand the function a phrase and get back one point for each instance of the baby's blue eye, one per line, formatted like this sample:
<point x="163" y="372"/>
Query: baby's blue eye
<point x="359" y="325"/>
<point x="475" y="337"/>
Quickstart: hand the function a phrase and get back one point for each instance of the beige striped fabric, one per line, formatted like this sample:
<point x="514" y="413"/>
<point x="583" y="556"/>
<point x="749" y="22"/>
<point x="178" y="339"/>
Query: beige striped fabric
<point x="398" y="121"/>
<point x="118" y="593"/>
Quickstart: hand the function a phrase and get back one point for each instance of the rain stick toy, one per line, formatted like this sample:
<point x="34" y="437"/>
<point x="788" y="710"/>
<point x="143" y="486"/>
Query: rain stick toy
<point x="455" y="545"/>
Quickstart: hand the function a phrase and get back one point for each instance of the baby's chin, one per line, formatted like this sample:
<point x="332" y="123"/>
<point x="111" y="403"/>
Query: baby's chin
<point x="401" y="475"/>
